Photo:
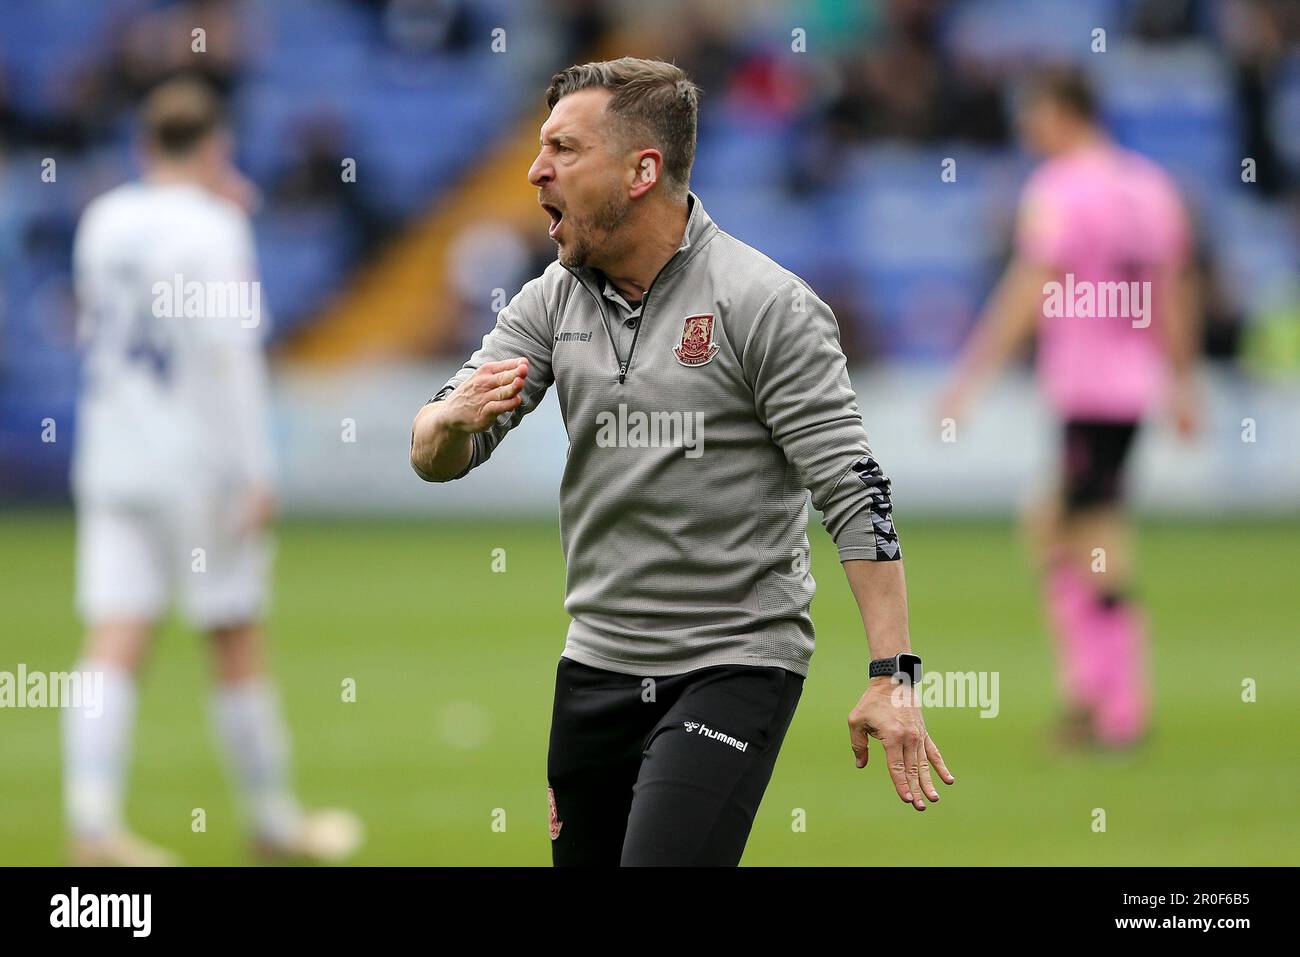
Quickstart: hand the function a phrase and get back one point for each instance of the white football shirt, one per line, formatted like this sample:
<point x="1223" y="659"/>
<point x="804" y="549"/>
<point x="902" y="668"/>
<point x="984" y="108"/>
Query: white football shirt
<point x="173" y="327"/>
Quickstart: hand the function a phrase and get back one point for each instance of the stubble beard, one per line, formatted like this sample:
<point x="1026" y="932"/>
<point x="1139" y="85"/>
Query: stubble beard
<point x="595" y="231"/>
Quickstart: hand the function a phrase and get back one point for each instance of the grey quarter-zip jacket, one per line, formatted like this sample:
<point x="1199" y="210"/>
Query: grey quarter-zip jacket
<point x="697" y="426"/>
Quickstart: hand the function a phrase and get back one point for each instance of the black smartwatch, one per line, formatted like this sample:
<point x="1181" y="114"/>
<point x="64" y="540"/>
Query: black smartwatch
<point x="904" y="666"/>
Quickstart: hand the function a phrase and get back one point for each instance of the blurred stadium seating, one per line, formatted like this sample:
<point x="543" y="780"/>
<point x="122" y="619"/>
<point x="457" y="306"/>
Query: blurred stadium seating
<point x="827" y="159"/>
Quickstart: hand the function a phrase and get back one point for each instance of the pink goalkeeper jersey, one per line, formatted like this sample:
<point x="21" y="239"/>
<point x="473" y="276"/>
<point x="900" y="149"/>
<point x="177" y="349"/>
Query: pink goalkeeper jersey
<point x="1110" y="227"/>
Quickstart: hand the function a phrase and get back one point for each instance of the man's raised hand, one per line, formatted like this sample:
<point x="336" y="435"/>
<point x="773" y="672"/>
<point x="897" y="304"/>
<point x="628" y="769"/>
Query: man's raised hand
<point x="493" y="389"/>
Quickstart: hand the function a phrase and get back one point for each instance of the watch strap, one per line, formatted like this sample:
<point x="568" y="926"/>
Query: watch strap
<point x="883" y="668"/>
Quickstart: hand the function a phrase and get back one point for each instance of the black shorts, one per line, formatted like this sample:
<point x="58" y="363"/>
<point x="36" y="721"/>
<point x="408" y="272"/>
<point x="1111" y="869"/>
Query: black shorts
<point x="1095" y="452"/>
<point x="662" y="771"/>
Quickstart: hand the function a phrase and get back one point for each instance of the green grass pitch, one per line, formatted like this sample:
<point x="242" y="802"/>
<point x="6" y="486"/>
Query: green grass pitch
<point x="454" y="664"/>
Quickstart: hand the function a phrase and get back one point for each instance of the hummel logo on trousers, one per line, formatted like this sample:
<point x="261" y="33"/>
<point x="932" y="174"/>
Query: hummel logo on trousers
<point x="652" y="779"/>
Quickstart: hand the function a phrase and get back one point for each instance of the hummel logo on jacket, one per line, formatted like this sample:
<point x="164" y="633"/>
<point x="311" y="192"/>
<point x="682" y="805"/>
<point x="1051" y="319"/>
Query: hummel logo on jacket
<point x="678" y="562"/>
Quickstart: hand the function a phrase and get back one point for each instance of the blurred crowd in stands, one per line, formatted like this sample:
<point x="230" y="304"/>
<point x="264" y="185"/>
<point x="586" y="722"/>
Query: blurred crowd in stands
<point x="824" y="125"/>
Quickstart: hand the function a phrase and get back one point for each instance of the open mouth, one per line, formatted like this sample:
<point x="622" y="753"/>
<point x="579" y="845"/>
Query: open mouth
<point x="557" y="216"/>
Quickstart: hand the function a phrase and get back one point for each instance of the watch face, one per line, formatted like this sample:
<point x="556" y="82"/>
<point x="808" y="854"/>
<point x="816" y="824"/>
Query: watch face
<point x="909" y="667"/>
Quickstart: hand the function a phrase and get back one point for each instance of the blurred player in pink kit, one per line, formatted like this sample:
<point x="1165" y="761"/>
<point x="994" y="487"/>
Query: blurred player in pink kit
<point x="1099" y="270"/>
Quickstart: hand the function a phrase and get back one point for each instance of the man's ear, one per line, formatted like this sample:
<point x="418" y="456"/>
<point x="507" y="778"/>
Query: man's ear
<point x="649" y="167"/>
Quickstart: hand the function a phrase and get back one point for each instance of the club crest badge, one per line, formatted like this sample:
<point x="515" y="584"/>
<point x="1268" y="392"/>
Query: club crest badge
<point x="556" y="823"/>
<point x="697" y="346"/>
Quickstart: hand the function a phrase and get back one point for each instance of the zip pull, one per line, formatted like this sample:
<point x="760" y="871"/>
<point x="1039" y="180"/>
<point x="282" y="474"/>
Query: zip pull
<point x="622" y="369"/>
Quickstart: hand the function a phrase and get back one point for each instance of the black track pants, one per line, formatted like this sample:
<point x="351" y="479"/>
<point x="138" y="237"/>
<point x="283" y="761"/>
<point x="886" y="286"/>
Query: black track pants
<point x="665" y="770"/>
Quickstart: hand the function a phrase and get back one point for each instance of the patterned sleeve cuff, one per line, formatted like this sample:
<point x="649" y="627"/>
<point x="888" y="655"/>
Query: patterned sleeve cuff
<point x="442" y="393"/>
<point x="869" y="534"/>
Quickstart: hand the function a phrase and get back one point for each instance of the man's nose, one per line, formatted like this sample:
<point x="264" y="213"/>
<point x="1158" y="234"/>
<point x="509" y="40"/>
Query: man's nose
<point x="540" y="173"/>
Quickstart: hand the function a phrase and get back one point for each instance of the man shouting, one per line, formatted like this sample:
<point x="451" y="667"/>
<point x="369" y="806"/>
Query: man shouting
<point x="704" y="393"/>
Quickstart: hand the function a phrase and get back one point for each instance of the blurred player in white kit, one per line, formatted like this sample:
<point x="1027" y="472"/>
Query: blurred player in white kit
<point x="172" y="480"/>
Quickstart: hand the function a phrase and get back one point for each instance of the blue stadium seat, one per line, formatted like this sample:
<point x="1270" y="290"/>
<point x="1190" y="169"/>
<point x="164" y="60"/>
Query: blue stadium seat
<point x="303" y="257"/>
<point x="1030" y="30"/>
<point x="1285" y="118"/>
<point x="1175" y="105"/>
<point x="733" y="149"/>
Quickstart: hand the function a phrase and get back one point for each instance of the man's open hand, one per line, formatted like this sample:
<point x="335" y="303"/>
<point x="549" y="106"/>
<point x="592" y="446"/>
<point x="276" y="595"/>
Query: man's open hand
<point x="493" y="389"/>
<point x="889" y="712"/>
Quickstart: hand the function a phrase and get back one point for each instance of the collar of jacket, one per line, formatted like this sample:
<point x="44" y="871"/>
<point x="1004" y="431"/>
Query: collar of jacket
<point x="700" y="228"/>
